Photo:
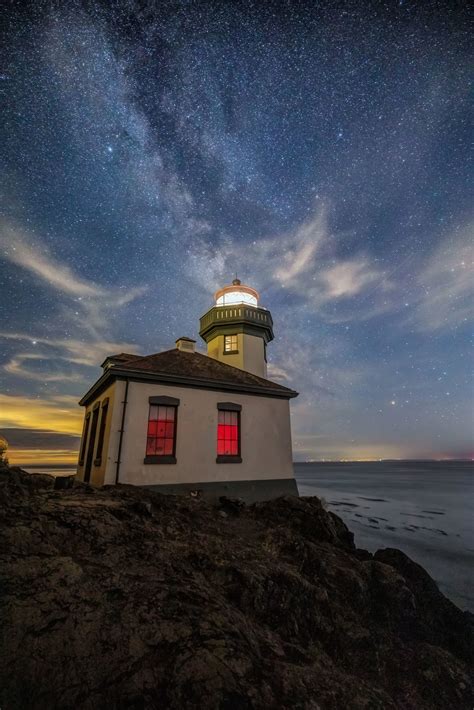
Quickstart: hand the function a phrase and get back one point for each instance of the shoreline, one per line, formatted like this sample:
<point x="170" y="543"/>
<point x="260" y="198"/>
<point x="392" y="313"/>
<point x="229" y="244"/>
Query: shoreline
<point x="426" y="511"/>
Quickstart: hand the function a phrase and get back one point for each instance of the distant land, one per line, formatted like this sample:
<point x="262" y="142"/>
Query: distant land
<point x="339" y="461"/>
<point x="54" y="466"/>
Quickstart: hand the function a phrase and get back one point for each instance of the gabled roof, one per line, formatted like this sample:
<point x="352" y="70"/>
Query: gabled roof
<point x="190" y="369"/>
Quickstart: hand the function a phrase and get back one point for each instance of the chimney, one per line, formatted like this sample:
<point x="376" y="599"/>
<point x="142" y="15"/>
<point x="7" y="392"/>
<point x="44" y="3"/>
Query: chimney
<point x="188" y="345"/>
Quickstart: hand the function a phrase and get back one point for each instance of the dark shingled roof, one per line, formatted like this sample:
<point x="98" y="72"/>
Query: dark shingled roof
<point x="196" y="365"/>
<point x="124" y="357"/>
<point x="190" y="368"/>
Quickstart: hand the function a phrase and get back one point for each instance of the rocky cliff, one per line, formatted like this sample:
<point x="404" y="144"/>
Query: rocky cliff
<point x="122" y="598"/>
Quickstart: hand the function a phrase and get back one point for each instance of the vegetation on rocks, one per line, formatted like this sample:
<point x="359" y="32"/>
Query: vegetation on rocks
<point x="123" y="598"/>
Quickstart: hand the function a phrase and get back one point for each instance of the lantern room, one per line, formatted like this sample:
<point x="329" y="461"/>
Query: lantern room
<point x="236" y="294"/>
<point x="237" y="330"/>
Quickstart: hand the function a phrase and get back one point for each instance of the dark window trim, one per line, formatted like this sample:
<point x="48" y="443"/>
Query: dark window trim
<point x="164" y="401"/>
<point x="166" y="458"/>
<point x="92" y="443"/>
<point x="230" y="352"/>
<point x="100" y="440"/>
<point x="229" y="406"/>
<point x="159" y="459"/>
<point x="85" y="433"/>
<point x="229" y="459"/>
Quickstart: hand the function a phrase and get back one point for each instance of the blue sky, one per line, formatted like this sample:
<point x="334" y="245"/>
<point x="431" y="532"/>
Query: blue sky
<point x="319" y="151"/>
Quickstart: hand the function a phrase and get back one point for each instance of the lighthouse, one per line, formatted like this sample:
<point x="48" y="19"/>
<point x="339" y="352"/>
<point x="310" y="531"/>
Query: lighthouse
<point x="184" y="422"/>
<point x="237" y="329"/>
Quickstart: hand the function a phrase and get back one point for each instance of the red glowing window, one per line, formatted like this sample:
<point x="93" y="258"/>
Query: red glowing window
<point x="161" y="437"/>
<point x="228" y="439"/>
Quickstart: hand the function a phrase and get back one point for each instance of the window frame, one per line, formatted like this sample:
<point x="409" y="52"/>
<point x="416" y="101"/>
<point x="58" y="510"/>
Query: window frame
<point x="231" y="351"/>
<point x="101" y="438"/>
<point x="237" y="409"/>
<point x="85" y="435"/>
<point x="89" y="460"/>
<point x="162" y="401"/>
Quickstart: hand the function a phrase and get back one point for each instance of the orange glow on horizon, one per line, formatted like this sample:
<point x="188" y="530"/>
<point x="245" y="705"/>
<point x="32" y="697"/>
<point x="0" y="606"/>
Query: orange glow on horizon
<point x="41" y="457"/>
<point x="59" y="414"/>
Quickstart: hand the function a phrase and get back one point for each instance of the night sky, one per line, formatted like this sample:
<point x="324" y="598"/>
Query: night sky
<point x="320" y="151"/>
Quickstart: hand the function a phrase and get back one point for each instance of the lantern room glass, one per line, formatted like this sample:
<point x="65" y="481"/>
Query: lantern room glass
<point x="233" y="298"/>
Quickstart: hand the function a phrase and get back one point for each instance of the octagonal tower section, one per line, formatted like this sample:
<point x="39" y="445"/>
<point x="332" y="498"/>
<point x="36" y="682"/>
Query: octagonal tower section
<point x="237" y="330"/>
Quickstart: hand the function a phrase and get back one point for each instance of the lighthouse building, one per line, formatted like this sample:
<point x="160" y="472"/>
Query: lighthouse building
<point x="180" y="421"/>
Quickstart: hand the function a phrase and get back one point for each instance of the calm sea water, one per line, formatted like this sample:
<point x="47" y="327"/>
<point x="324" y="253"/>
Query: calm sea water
<point x="424" y="508"/>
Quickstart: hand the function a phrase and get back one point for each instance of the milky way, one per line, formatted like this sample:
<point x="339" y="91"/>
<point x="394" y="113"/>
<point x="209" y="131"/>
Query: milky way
<point x="154" y="150"/>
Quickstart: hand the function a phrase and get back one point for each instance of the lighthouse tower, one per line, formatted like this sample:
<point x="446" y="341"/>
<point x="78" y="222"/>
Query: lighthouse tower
<point x="237" y="330"/>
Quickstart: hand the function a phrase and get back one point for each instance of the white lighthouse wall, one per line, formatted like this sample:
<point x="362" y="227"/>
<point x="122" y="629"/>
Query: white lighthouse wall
<point x="265" y="439"/>
<point x="254" y="355"/>
<point x="250" y="356"/>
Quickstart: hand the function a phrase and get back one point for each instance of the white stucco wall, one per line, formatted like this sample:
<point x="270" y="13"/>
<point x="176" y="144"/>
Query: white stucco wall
<point x="265" y="438"/>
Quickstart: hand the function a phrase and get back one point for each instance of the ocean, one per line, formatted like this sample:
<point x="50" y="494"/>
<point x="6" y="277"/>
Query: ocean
<point x="425" y="508"/>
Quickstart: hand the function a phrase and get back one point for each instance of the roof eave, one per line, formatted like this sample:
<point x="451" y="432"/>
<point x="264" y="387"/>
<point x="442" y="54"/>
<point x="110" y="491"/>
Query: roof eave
<point x="201" y="383"/>
<point x="96" y="386"/>
<point x="206" y="383"/>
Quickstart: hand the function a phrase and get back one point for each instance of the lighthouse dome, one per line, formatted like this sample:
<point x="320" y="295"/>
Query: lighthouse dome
<point x="236" y="293"/>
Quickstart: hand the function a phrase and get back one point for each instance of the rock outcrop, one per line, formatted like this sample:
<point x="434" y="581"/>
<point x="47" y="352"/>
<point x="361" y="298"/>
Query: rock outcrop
<point x="123" y="598"/>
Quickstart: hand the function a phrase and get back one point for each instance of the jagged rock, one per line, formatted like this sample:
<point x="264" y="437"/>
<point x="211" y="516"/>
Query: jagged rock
<point x="231" y="506"/>
<point x="131" y="599"/>
<point x="64" y="482"/>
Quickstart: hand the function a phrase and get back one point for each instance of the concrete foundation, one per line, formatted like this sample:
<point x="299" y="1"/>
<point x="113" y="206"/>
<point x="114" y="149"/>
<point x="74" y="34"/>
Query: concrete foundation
<point x="249" y="491"/>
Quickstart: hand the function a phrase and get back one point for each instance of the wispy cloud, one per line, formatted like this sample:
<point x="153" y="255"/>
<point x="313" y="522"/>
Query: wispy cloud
<point x="57" y="352"/>
<point x="21" y="248"/>
<point x="308" y="264"/>
<point x="15" y="366"/>
<point x="349" y="278"/>
<point x="78" y="352"/>
<point x="88" y="306"/>
<point x="305" y="262"/>
<point x="297" y="251"/>
<point x="446" y="284"/>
